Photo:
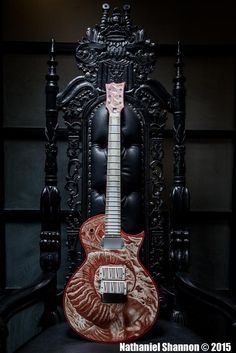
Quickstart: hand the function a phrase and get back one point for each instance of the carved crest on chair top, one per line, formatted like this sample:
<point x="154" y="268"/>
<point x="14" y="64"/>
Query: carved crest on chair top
<point x="116" y="49"/>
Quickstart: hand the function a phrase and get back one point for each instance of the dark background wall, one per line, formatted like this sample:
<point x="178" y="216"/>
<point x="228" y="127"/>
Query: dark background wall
<point x="207" y="31"/>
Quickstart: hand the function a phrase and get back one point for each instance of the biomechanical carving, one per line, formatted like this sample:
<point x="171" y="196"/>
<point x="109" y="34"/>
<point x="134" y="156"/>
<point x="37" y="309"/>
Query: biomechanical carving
<point x="83" y="307"/>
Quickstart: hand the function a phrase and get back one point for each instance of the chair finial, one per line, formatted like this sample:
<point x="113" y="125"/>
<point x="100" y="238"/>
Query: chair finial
<point x="52" y="63"/>
<point x="52" y="49"/>
<point x="126" y="9"/>
<point x="105" y="13"/>
<point x="179" y="62"/>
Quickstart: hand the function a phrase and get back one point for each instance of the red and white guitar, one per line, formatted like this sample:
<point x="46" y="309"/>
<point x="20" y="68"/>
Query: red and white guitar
<point x="111" y="296"/>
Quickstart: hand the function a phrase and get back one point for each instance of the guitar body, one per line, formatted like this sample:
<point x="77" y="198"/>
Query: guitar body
<point x="84" y="309"/>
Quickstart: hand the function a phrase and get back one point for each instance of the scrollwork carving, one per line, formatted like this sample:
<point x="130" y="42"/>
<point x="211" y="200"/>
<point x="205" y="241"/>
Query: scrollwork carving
<point x="73" y="101"/>
<point x="179" y="233"/>
<point x="151" y="102"/>
<point x="117" y="49"/>
<point x="50" y="250"/>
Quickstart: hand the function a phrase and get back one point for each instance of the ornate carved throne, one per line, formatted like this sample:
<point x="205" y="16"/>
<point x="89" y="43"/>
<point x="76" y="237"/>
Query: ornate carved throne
<point x="116" y="50"/>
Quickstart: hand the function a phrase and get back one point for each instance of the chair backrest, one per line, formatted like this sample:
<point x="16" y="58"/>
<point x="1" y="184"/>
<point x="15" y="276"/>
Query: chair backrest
<point x="117" y="51"/>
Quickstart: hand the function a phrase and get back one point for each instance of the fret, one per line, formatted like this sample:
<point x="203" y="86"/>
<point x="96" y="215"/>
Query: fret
<point x="111" y="166"/>
<point x="115" y="158"/>
<point x="114" y="131"/>
<point x="113" y="201"/>
<point x="112" y="230"/>
<point x="115" y="152"/>
<point x="114" y="171"/>
<point x="113" y="191"/>
<point x="113" y="212"/>
<point x="112" y="163"/>
<point x="113" y="207"/>
<point x="112" y="225"/>
<point x="114" y="138"/>
<point x="114" y="217"/>
<point x="114" y="148"/>
<point x="115" y="222"/>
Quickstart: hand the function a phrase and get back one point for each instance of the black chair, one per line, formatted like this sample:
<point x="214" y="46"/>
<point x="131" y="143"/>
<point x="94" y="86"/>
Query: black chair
<point x="117" y="51"/>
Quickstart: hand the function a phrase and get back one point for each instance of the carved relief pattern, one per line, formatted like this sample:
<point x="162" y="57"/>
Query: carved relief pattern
<point x="179" y="247"/>
<point x="103" y="47"/>
<point x="90" y="119"/>
<point x="51" y="154"/>
<point x="50" y="251"/>
<point x="157" y="247"/>
<point x="79" y="93"/>
<point x="84" y="309"/>
<point x="157" y="116"/>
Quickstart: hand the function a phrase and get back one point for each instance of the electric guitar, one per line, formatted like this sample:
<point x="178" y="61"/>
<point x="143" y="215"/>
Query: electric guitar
<point x="111" y="297"/>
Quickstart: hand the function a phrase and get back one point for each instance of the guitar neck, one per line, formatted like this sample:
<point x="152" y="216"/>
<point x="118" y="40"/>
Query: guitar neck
<point x="113" y="183"/>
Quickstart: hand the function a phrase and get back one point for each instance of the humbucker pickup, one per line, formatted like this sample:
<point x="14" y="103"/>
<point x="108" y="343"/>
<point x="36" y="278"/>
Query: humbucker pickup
<point x="114" y="287"/>
<point x="113" y="292"/>
<point x="112" y="273"/>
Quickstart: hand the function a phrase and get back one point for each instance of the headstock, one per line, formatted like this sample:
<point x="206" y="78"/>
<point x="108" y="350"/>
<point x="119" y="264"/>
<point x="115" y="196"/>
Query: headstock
<point x="115" y="97"/>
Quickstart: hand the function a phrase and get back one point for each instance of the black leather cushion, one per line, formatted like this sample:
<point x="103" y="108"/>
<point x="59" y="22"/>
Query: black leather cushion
<point x="131" y="165"/>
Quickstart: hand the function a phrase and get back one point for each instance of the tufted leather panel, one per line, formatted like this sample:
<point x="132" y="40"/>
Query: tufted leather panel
<point x="132" y="180"/>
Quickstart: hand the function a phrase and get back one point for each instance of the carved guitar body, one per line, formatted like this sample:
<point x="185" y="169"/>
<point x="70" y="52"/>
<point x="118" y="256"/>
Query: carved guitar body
<point x="102" y="321"/>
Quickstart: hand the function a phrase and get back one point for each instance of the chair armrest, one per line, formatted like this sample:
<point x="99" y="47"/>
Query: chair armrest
<point x="211" y="298"/>
<point x="20" y="299"/>
<point x="209" y="312"/>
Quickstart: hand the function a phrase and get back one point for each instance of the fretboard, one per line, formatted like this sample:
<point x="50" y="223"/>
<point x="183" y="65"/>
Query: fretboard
<point x="113" y="199"/>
